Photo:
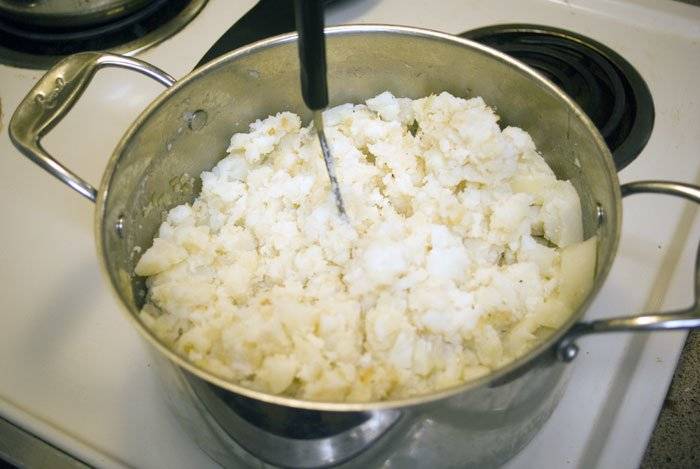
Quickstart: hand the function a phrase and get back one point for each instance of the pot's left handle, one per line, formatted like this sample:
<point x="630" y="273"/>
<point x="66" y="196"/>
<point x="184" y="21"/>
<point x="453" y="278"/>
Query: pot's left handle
<point x="51" y="99"/>
<point x="688" y="318"/>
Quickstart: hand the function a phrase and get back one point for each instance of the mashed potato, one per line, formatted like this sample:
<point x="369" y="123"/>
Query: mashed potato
<point x="461" y="251"/>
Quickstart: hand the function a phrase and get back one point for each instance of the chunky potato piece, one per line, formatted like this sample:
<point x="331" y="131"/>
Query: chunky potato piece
<point x="159" y="257"/>
<point x="577" y="271"/>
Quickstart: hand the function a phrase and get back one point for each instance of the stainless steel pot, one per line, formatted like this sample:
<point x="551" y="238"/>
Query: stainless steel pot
<point x="186" y="130"/>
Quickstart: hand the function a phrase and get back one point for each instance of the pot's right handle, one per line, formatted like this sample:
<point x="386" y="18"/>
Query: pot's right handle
<point x="688" y="318"/>
<point x="51" y="99"/>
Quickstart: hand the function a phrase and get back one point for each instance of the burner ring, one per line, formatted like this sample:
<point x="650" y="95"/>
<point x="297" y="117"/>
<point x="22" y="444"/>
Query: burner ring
<point x="603" y="83"/>
<point x="47" y="35"/>
<point x="129" y="35"/>
<point x="609" y="73"/>
<point x="554" y="62"/>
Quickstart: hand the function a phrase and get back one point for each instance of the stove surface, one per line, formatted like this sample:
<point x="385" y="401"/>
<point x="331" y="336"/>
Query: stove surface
<point x="76" y="374"/>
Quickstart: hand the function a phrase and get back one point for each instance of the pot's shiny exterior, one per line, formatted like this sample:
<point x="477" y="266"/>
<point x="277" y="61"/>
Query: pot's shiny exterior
<point x="483" y="422"/>
<point x="482" y="427"/>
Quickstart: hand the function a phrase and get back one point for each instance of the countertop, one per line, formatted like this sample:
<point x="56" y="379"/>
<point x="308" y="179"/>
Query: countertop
<point x="674" y="442"/>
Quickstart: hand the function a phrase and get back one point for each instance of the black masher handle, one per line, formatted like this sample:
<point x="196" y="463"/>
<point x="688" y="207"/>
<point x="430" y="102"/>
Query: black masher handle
<point x="312" y="53"/>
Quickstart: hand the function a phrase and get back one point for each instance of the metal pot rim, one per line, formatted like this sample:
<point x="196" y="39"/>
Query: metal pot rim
<point x="544" y="347"/>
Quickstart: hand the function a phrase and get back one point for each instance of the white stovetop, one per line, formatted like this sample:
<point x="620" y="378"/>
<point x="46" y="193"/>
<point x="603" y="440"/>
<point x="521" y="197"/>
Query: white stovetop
<point x="73" y="371"/>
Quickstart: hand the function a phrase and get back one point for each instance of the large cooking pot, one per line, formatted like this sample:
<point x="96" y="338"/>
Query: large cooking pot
<point x="187" y="129"/>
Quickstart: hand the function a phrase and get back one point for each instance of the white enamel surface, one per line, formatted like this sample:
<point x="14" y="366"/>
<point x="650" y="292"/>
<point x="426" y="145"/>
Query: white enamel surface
<point x="75" y="372"/>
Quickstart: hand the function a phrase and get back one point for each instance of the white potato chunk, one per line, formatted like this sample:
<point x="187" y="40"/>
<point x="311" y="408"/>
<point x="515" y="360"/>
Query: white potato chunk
<point x="577" y="271"/>
<point x="277" y="372"/>
<point x="561" y="214"/>
<point x="159" y="257"/>
<point x="552" y="313"/>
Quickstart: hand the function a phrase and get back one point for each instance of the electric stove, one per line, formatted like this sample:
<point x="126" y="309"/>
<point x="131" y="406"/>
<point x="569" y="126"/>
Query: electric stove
<point x="76" y="374"/>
